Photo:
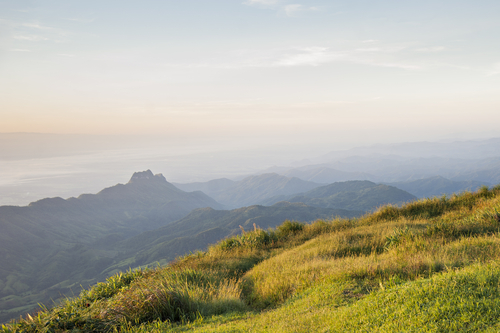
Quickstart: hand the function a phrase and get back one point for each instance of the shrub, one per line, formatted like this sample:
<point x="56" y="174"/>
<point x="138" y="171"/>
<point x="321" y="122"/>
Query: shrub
<point x="288" y="228"/>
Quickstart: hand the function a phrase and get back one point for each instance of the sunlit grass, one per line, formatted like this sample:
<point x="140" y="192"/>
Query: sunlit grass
<point x="432" y="265"/>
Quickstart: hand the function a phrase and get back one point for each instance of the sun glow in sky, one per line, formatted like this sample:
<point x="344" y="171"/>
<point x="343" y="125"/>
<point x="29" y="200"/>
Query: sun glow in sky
<point x="309" y="70"/>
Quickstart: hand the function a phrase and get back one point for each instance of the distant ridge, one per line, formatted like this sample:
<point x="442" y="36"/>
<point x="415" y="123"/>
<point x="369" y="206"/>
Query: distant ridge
<point x="211" y="187"/>
<point x="437" y="186"/>
<point x="350" y="195"/>
<point x="252" y="189"/>
<point x="326" y="175"/>
<point x="54" y="244"/>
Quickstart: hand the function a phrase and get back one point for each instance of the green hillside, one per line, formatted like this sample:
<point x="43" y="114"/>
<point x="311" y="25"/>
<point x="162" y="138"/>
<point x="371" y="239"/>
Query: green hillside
<point x="351" y="195"/>
<point x="206" y="226"/>
<point x="429" y="266"/>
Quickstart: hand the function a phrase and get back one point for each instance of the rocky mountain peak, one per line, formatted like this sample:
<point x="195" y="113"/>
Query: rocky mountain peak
<point x="146" y="176"/>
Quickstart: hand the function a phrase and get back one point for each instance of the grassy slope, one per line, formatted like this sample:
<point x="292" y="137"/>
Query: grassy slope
<point x="430" y="266"/>
<point x="206" y="226"/>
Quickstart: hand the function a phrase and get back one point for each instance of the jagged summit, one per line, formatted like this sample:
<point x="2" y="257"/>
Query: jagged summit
<point x="146" y="175"/>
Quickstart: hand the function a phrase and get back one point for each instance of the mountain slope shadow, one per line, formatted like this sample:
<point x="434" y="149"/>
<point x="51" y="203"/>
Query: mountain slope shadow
<point x="53" y="245"/>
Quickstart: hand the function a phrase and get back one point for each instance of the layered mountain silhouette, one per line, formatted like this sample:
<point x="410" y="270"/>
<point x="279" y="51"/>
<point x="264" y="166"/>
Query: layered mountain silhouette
<point x="52" y="244"/>
<point x="437" y="186"/>
<point x="320" y="174"/>
<point x="250" y="190"/>
<point x="210" y="187"/>
<point x="350" y="195"/>
<point x="476" y="160"/>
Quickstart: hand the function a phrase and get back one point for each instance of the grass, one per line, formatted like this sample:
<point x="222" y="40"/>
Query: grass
<point x="432" y="265"/>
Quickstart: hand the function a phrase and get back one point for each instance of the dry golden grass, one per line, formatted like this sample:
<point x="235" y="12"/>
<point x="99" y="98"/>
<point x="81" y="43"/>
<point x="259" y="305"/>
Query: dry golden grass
<point x="324" y="275"/>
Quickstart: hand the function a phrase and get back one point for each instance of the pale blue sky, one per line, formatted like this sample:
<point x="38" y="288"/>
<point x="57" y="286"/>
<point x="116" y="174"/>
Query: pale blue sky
<point x="290" y="71"/>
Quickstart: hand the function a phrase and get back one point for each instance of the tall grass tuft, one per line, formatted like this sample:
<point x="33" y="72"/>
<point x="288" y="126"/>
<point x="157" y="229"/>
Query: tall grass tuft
<point x="176" y="296"/>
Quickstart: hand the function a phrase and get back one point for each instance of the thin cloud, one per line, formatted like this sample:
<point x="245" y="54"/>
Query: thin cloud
<point x="316" y="56"/>
<point x="303" y="57"/>
<point x="25" y="10"/>
<point x="444" y="64"/>
<point x="370" y="49"/>
<point x="381" y="56"/>
<point x="290" y="10"/>
<point x="261" y="2"/>
<point x="35" y="32"/>
<point x="80" y="20"/>
<point x="20" y="50"/>
<point x="431" y="49"/>
<point x="36" y="26"/>
<point x="312" y="56"/>
<point x="495" y="70"/>
<point x="52" y="30"/>
<point x="381" y="49"/>
<point x="30" y="38"/>
<point x="293" y="10"/>
<point x="400" y="66"/>
<point x="294" y="57"/>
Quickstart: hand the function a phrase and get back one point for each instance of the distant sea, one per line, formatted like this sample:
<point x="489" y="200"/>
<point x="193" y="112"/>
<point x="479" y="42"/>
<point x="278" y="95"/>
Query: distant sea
<point x="26" y="180"/>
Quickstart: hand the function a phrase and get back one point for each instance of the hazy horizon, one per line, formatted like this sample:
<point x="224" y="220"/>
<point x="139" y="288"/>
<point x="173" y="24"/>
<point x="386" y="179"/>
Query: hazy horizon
<point x="203" y="89"/>
<point x="36" y="166"/>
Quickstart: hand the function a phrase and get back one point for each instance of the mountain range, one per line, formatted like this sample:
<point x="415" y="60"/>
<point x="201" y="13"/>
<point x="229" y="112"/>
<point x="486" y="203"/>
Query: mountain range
<point x="437" y="186"/>
<point x="390" y="169"/>
<point x="54" y="246"/>
<point x="428" y="266"/>
<point x="251" y="189"/>
<point x="361" y="195"/>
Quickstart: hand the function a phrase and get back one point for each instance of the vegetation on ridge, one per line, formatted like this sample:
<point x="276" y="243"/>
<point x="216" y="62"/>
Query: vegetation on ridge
<point x="351" y="195"/>
<point x="432" y="265"/>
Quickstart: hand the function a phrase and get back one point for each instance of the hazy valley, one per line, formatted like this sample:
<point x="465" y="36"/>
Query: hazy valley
<point x="249" y="166"/>
<point x="53" y="247"/>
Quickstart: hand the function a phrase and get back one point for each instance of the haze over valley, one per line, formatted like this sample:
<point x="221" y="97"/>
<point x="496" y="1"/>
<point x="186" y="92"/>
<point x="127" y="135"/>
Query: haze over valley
<point x="55" y="245"/>
<point x="250" y="165"/>
<point x="56" y="170"/>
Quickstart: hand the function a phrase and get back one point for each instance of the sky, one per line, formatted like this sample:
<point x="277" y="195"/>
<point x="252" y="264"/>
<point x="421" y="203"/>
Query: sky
<point x="266" y="71"/>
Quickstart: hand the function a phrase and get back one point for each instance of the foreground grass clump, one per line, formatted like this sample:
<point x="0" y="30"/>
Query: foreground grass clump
<point x="462" y="300"/>
<point x="430" y="266"/>
<point x="154" y="295"/>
